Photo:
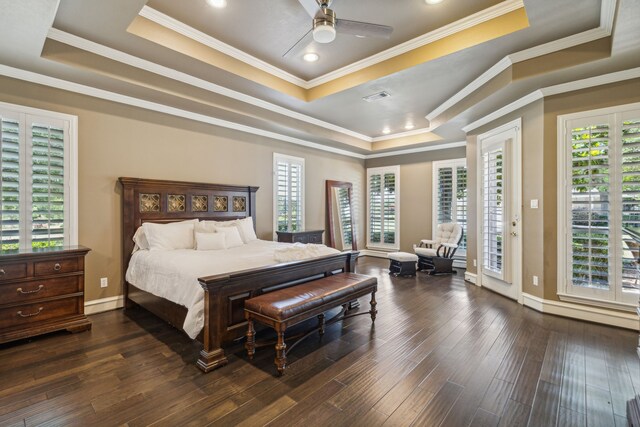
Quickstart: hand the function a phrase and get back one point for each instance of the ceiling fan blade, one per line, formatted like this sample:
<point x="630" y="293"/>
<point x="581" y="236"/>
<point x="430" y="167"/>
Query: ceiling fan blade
<point x="311" y="6"/>
<point x="300" y="45"/>
<point x="363" y="29"/>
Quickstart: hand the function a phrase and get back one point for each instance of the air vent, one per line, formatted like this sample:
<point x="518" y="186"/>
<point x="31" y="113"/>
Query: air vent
<point x="376" y="96"/>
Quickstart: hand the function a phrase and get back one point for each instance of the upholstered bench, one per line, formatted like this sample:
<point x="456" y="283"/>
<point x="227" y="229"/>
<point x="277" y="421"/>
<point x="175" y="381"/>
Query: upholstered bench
<point x="402" y="263"/>
<point x="286" y="307"/>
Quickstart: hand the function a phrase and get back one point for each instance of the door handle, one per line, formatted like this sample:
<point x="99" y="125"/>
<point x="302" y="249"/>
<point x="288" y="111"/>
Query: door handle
<point x="514" y="234"/>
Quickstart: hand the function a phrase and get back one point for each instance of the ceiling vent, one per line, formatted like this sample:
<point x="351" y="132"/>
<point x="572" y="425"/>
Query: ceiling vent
<point x="376" y="96"/>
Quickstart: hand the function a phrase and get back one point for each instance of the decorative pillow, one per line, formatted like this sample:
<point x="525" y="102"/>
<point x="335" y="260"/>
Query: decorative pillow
<point x="207" y="226"/>
<point x="176" y="235"/>
<point x="232" y="235"/>
<point x="211" y="241"/>
<point x="245" y="227"/>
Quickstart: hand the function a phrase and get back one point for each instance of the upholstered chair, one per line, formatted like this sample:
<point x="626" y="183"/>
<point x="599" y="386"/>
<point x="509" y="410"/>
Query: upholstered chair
<point x="436" y="256"/>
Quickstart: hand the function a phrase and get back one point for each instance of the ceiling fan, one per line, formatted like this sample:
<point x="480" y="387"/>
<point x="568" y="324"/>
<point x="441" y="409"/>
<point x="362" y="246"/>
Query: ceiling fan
<point x="325" y="24"/>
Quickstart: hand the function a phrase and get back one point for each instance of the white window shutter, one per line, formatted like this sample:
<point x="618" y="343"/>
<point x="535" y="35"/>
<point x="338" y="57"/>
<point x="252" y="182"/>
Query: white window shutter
<point x="288" y="193"/>
<point x="10" y="191"/>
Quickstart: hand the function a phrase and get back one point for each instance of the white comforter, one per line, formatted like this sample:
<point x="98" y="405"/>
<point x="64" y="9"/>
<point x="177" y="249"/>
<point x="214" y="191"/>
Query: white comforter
<point x="173" y="275"/>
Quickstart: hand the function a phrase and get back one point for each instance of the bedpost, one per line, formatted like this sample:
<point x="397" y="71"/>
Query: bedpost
<point x="212" y="355"/>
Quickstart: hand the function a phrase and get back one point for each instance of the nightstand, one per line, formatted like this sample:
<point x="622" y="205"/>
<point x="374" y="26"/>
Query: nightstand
<point x="307" y="236"/>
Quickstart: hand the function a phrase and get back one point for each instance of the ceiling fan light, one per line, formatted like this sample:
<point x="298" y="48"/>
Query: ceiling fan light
<point x="218" y="3"/>
<point x="324" y="33"/>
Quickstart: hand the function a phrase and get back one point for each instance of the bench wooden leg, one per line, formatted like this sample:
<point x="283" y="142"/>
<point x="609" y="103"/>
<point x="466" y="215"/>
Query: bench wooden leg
<point x="373" y="303"/>
<point x="281" y="347"/>
<point x="321" y="324"/>
<point x="250" y="345"/>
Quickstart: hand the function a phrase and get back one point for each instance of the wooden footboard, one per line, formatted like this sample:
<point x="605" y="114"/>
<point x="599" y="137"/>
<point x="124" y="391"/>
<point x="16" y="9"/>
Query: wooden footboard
<point x="225" y="295"/>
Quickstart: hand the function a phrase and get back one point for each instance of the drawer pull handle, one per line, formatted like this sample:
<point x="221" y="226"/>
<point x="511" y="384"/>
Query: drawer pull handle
<point x="31" y="314"/>
<point x="35" y="291"/>
<point x="2" y="272"/>
<point x="57" y="267"/>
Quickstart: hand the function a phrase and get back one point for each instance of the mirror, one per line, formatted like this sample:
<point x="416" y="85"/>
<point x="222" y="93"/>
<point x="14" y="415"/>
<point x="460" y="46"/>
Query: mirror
<point x="341" y="219"/>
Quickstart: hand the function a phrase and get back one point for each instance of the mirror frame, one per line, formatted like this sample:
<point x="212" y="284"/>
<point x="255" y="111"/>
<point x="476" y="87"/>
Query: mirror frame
<point x="330" y="185"/>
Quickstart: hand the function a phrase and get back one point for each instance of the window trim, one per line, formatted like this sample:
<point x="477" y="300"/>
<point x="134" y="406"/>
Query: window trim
<point x="381" y="171"/>
<point x="563" y="152"/>
<point x="289" y="159"/>
<point x="435" y="167"/>
<point x="71" y="161"/>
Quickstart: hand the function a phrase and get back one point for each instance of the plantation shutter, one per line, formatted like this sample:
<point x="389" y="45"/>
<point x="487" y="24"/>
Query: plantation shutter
<point x="450" y="197"/>
<point x="289" y="189"/>
<point x="10" y="194"/>
<point x="48" y="185"/>
<point x="344" y="208"/>
<point x="590" y="205"/>
<point x="493" y="214"/>
<point x="383" y="202"/>
<point x="629" y="247"/>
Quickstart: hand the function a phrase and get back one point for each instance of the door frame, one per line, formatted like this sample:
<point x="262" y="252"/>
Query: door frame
<point x="515" y="129"/>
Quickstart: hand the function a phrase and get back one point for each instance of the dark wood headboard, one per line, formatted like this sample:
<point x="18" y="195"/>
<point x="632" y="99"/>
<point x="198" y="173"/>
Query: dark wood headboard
<point x="154" y="200"/>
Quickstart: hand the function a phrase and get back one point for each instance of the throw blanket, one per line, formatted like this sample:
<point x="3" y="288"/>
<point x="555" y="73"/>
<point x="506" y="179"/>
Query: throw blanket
<point x="299" y="251"/>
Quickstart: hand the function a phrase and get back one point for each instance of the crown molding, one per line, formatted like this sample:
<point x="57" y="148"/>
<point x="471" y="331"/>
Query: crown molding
<point x="412" y="132"/>
<point x="152" y="67"/>
<point x="417" y="150"/>
<point x="196" y="35"/>
<point x="462" y="24"/>
<point x="430" y="37"/>
<point x="603" y="79"/>
<point x="607" y="16"/>
<point x="54" y="82"/>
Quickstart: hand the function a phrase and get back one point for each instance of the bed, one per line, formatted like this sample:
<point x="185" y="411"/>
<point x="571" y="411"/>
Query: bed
<point x="162" y="201"/>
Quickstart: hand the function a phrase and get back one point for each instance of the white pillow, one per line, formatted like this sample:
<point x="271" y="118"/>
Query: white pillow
<point x="140" y="240"/>
<point x="232" y="235"/>
<point x="245" y="227"/>
<point x="176" y="235"/>
<point x="211" y="241"/>
<point x="207" y="226"/>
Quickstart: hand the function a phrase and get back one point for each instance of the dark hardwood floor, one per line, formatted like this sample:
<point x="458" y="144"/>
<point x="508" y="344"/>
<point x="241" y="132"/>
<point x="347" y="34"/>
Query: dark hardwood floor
<point x="442" y="353"/>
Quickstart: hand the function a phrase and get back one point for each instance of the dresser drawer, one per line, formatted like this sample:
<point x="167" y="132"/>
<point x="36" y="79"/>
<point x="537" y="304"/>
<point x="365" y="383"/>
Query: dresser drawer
<point x="13" y="271"/>
<point x="63" y="265"/>
<point x="38" y="312"/>
<point x="30" y="291"/>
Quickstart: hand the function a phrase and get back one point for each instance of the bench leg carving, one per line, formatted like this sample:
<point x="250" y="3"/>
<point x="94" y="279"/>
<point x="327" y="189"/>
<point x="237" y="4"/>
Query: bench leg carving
<point x="281" y="357"/>
<point x="250" y="345"/>
<point x="321" y="324"/>
<point x="373" y="303"/>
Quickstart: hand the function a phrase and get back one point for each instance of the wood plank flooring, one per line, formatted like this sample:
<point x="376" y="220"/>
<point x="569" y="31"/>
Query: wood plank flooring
<point x="442" y="353"/>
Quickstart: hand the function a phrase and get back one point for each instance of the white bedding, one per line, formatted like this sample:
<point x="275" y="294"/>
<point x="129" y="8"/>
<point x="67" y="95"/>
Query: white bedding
<point x="173" y="275"/>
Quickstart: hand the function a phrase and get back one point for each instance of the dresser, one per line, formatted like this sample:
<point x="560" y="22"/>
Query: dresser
<point x="42" y="290"/>
<point x="310" y="236"/>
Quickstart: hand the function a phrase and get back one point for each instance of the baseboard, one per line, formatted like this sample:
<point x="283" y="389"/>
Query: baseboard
<point x="582" y="312"/>
<point x="103" y="304"/>
<point x="471" y="277"/>
<point x="376" y="254"/>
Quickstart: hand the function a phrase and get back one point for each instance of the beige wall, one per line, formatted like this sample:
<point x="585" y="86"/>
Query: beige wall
<point x="539" y="172"/>
<point x="117" y="140"/>
<point x="415" y="191"/>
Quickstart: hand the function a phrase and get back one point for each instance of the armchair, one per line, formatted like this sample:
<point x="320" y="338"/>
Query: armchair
<point x="436" y="256"/>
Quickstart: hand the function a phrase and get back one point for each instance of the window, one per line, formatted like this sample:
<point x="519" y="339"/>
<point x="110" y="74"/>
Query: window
<point x="38" y="188"/>
<point x="383" y="207"/>
<point x="599" y="205"/>
<point x="288" y="193"/>
<point x="450" y="196"/>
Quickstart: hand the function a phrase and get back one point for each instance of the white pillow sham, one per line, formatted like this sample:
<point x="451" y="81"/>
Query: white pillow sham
<point x="232" y="236"/>
<point x="175" y="235"/>
<point x="211" y="241"/>
<point x="245" y="227"/>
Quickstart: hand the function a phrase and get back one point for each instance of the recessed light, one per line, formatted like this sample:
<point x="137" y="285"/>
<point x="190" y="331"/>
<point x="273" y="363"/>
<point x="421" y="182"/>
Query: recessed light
<point x="360" y="36"/>
<point x="409" y="126"/>
<point x="386" y="131"/>
<point x="432" y="1"/>
<point x="311" y="57"/>
<point x="217" y="3"/>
